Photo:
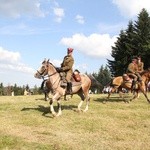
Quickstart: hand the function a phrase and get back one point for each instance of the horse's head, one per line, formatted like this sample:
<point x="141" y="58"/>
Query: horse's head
<point x="43" y="70"/>
<point x="146" y="74"/>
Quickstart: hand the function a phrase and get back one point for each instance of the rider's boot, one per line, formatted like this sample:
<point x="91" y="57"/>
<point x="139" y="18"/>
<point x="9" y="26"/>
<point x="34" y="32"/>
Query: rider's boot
<point x="63" y="80"/>
<point x="133" y="86"/>
<point x="63" y="83"/>
<point x="69" y="88"/>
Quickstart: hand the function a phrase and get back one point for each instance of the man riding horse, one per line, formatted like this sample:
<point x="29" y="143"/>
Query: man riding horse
<point x="133" y="72"/>
<point x="140" y="65"/>
<point x="66" y="70"/>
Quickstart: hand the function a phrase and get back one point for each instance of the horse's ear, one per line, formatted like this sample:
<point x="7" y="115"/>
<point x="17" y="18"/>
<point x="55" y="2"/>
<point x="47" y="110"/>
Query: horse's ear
<point x="48" y="60"/>
<point x="44" y="61"/>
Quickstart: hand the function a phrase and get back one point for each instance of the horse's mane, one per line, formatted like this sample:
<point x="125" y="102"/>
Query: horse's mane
<point x="145" y="72"/>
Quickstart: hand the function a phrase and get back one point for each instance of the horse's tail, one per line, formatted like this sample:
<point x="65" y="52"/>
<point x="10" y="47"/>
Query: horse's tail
<point x="94" y="82"/>
<point x="110" y="82"/>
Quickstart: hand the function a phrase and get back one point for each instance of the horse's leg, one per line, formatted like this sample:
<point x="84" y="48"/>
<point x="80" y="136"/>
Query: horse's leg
<point x="87" y="98"/>
<point x="111" y="90"/>
<point x="84" y="96"/>
<point x="80" y="93"/>
<point x="46" y="96"/>
<point x="122" y="95"/>
<point x="87" y="103"/>
<point x="135" y="94"/>
<point x="143" y="90"/>
<point x="59" y="108"/>
<point x="51" y="107"/>
<point x="55" y="97"/>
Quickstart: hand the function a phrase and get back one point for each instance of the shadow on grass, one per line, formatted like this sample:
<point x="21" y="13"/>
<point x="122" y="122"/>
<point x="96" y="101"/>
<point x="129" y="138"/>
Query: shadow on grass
<point x="46" y="110"/>
<point x="40" y="108"/>
<point x="113" y="99"/>
<point x="42" y="99"/>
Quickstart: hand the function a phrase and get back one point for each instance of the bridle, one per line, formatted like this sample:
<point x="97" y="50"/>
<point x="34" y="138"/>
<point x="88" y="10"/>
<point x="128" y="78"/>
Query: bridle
<point x="47" y="75"/>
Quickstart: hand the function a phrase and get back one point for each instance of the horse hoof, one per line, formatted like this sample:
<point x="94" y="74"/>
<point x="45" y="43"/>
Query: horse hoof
<point x="58" y="114"/>
<point x="78" y="110"/>
<point x="54" y="114"/>
<point x="104" y="102"/>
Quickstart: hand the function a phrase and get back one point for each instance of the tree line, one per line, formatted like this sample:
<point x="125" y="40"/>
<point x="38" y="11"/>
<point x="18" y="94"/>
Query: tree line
<point x="18" y="90"/>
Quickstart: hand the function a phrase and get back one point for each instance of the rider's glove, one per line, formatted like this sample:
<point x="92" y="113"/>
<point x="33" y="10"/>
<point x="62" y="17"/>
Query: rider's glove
<point x="59" y="69"/>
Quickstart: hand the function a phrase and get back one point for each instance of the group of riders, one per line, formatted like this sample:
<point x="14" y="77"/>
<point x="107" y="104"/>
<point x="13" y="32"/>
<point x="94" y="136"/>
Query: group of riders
<point x="66" y="70"/>
<point x="135" y="68"/>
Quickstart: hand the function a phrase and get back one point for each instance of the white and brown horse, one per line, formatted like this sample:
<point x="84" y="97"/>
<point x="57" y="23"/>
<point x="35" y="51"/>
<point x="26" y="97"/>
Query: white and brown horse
<point x="80" y="88"/>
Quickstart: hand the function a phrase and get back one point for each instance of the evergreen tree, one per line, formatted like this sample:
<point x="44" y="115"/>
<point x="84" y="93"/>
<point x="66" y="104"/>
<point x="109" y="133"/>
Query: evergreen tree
<point x="35" y="90"/>
<point x="119" y="53"/>
<point x="104" y="75"/>
<point x="1" y="89"/>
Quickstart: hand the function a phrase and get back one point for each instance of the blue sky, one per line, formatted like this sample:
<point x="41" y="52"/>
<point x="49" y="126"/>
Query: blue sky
<point x="33" y="30"/>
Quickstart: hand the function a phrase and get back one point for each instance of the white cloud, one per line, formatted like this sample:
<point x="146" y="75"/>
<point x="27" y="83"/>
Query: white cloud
<point x="111" y="29"/>
<point x="131" y="8"/>
<point x="11" y="61"/>
<point x="95" y="45"/>
<point x="56" y="62"/>
<point x="59" y="13"/>
<point x="8" y="56"/>
<point x="16" y="8"/>
<point x="80" y="19"/>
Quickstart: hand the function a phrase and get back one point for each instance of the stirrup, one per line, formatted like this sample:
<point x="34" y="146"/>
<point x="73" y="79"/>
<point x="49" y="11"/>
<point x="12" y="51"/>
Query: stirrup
<point x="63" y="84"/>
<point x="69" y="92"/>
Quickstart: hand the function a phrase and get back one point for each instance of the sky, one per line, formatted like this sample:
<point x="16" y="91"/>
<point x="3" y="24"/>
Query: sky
<point x="32" y="30"/>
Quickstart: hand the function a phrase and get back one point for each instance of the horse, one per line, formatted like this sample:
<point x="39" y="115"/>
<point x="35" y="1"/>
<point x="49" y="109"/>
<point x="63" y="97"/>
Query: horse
<point x="81" y="88"/>
<point x="120" y="82"/>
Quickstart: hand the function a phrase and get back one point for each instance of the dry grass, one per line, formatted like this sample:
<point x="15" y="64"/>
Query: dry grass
<point x="26" y="124"/>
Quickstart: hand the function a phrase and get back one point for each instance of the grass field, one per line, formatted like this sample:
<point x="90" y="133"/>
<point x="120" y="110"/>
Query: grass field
<point x="26" y="124"/>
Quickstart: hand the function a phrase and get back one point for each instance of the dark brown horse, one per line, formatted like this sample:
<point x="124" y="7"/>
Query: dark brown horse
<point x="80" y="88"/>
<point x="119" y="82"/>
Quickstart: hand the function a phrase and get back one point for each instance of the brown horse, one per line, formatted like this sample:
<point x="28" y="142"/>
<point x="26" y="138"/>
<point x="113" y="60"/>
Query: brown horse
<point x="80" y="88"/>
<point x="119" y="82"/>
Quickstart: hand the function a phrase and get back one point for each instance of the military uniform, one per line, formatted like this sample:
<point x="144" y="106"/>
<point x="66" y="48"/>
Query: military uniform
<point x="66" y="70"/>
<point x="140" y="67"/>
<point x="66" y="66"/>
<point x="131" y="70"/>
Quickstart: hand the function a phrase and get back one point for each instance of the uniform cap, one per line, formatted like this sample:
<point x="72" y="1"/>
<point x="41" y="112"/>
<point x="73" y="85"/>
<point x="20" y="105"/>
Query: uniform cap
<point x="70" y="50"/>
<point x="134" y="58"/>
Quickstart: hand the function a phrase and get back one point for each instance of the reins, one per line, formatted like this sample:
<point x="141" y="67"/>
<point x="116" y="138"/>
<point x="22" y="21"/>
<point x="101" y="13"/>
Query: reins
<point x="48" y="76"/>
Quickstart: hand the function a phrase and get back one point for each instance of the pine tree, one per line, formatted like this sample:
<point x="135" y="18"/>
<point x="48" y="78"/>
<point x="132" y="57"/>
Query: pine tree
<point x="1" y="89"/>
<point x="104" y="75"/>
<point x="119" y="53"/>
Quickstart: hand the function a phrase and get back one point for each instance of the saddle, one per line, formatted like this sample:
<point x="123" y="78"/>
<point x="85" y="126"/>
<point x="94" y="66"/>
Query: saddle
<point x="127" y="78"/>
<point x="76" y="76"/>
<point x="75" y="79"/>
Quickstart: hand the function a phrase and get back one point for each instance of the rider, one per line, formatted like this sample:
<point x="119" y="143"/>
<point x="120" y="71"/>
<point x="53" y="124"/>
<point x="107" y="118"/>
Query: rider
<point x="132" y="70"/>
<point x="66" y="70"/>
<point x="140" y="65"/>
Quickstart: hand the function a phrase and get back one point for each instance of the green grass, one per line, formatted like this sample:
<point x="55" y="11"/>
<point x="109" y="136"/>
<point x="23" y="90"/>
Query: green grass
<point x="26" y="124"/>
